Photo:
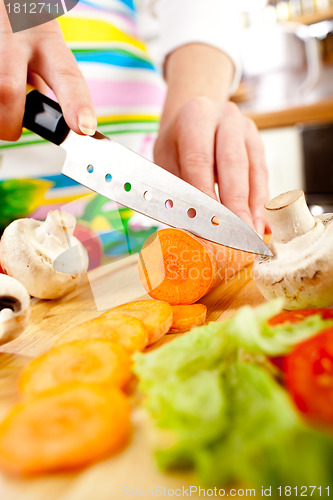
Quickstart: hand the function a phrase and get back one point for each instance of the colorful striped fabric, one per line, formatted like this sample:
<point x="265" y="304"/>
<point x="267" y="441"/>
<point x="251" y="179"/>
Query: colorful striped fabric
<point x="126" y="88"/>
<point x="127" y="92"/>
<point x="123" y="80"/>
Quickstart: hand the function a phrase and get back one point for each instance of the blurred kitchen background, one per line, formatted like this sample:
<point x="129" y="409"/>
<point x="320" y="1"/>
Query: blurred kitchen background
<point x="287" y="89"/>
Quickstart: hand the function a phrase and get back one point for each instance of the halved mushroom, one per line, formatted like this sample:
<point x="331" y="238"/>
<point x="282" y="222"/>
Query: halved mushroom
<point x="14" y="308"/>
<point x="44" y="256"/>
<point x="301" y="269"/>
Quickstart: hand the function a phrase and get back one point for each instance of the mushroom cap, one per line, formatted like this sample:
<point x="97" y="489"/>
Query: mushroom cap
<point x="301" y="270"/>
<point x="14" y="308"/>
<point x="30" y="259"/>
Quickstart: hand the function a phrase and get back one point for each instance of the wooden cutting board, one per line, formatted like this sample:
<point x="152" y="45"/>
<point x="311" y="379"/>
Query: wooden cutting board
<point x="132" y="472"/>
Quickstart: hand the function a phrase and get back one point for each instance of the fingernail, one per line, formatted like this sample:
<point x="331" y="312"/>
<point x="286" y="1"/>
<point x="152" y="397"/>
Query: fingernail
<point x="87" y="122"/>
<point x="260" y="227"/>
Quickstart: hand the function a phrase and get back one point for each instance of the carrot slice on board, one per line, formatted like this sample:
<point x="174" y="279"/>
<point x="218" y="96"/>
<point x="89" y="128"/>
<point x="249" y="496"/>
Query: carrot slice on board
<point x="91" y="361"/>
<point x="186" y="317"/>
<point x="121" y="329"/>
<point x="180" y="268"/>
<point x="64" y="428"/>
<point x="156" y="315"/>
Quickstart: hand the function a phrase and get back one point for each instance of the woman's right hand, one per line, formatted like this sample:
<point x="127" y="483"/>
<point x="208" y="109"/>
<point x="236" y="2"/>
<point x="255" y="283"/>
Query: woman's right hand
<point x="40" y="56"/>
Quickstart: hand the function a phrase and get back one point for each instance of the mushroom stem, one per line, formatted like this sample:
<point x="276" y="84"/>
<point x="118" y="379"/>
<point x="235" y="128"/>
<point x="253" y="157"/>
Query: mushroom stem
<point x="61" y="225"/>
<point x="289" y="216"/>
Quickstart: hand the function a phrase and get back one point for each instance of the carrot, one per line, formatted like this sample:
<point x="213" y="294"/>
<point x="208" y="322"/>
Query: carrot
<point x="186" y="317"/>
<point x="156" y="315"/>
<point x="64" y="428"/>
<point x="180" y="268"/>
<point x="119" y="328"/>
<point x="91" y="361"/>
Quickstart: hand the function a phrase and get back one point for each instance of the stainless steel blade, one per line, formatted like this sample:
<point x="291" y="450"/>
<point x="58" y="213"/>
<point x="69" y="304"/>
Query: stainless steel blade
<point x="121" y="175"/>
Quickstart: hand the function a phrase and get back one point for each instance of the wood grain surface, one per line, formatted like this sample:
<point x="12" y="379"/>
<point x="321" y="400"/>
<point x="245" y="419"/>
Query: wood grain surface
<point x="317" y="112"/>
<point x="123" y="475"/>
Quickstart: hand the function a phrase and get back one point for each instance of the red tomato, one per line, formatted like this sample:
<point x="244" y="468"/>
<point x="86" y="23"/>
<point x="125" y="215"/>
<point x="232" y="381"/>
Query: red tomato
<point x="309" y="376"/>
<point x="299" y="315"/>
<point x="294" y="317"/>
<point x="278" y="362"/>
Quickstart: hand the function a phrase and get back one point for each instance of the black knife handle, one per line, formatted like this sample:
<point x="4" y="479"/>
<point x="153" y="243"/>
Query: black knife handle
<point x="44" y="117"/>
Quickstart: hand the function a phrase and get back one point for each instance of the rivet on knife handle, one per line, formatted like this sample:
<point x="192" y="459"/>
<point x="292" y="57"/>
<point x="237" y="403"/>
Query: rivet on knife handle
<point x="44" y="117"/>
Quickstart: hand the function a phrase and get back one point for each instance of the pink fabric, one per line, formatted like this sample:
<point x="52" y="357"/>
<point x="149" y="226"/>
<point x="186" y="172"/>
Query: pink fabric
<point x="122" y="93"/>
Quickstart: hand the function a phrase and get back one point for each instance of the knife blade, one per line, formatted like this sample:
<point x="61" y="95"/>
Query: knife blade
<point x="114" y="171"/>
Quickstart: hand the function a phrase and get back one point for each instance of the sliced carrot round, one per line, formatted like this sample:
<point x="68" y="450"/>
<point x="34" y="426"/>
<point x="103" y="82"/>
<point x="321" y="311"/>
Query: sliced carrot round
<point x="180" y="268"/>
<point x="156" y="315"/>
<point x="186" y="317"/>
<point x="121" y="329"/>
<point x="171" y="264"/>
<point x="90" y="361"/>
<point x="64" y="428"/>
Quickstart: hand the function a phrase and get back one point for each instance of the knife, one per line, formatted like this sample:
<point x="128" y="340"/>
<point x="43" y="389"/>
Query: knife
<point x="112" y="170"/>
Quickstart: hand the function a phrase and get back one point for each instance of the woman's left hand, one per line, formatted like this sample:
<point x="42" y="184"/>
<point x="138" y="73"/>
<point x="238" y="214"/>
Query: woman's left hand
<point x="204" y="138"/>
<point x="207" y="141"/>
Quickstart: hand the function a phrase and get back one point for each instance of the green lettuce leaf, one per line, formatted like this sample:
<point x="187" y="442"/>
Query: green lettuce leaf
<point x="250" y="330"/>
<point x="204" y="346"/>
<point x="265" y="442"/>
<point x="229" y="419"/>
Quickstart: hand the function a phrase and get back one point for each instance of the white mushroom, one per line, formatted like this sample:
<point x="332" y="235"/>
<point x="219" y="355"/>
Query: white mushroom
<point x="44" y="256"/>
<point x="301" y="269"/>
<point x="14" y="308"/>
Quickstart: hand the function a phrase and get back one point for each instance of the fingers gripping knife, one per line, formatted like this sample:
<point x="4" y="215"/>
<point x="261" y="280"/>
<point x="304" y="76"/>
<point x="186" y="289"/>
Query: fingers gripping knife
<point x="119" y="174"/>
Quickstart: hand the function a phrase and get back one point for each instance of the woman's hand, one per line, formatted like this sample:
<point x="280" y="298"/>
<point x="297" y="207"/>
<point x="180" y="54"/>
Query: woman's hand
<point x="207" y="141"/>
<point x="40" y="55"/>
<point x="204" y="138"/>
